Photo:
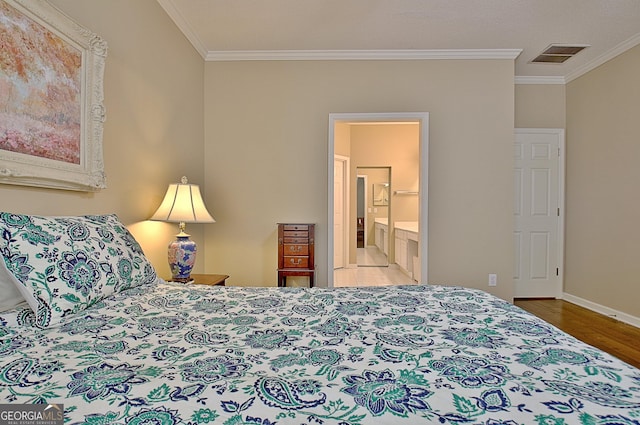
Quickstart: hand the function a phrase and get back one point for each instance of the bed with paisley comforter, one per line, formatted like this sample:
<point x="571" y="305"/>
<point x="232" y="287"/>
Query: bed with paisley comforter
<point x="147" y="351"/>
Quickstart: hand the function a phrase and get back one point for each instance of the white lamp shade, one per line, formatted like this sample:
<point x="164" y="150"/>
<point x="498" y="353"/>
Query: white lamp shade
<point x="183" y="204"/>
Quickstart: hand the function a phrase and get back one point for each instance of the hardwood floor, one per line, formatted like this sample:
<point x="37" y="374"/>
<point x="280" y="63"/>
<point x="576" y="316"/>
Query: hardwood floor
<point x="606" y="333"/>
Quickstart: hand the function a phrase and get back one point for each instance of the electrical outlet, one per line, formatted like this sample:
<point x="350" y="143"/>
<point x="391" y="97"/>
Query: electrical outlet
<point x="493" y="279"/>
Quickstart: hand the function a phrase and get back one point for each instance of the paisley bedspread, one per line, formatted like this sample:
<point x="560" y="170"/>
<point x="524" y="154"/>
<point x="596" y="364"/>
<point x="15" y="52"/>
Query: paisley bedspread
<point x="167" y="353"/>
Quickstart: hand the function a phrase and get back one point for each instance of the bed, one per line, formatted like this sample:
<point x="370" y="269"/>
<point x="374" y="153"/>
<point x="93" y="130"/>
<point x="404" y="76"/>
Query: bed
<point x="134" y="349"/>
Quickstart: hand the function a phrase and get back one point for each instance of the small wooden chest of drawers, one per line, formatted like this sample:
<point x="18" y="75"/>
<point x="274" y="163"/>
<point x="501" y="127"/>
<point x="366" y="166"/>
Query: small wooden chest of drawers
<point x="296" y="251"/>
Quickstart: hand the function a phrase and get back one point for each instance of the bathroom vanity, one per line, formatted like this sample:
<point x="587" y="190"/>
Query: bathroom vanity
<point x="406" y="247"/>
<point x="381" y="228"/>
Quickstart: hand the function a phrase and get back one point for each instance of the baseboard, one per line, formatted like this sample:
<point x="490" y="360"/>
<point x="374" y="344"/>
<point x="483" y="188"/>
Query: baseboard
<point x="391" y="266"/>
<point x="618" y="315"/>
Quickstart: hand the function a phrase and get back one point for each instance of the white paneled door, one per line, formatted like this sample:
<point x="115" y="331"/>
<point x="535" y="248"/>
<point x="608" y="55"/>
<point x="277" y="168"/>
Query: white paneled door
<point x="538" y="209"/>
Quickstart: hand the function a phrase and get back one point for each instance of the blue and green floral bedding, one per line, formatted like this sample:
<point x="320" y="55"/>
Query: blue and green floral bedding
<point x="166" y="353"/>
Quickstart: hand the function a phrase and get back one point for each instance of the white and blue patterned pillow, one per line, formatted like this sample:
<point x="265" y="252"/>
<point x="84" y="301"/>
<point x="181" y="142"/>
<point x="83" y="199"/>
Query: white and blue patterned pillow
<point x="10" y="297"/>
<point x="62" y="265"/>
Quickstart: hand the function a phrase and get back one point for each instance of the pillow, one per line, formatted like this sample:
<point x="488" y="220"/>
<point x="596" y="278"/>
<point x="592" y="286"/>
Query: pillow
<point x="63" y="265"/>
<point x="10" y="297"/>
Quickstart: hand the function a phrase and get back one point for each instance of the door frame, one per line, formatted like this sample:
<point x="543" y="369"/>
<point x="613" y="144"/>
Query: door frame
<point x="560" y="133"/>
<point x="366" y="202"/>
<point x="346" y="208"/>
<point x="423" y="214"/>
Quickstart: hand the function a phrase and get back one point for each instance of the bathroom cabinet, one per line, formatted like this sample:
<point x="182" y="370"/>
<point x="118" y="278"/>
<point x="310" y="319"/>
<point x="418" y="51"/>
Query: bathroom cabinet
<point x="381" y="235"/>
<point x="406" y="248"/>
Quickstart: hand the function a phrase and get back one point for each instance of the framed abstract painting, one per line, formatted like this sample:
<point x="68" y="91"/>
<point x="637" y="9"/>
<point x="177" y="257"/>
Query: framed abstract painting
<point x="51" y="108"/>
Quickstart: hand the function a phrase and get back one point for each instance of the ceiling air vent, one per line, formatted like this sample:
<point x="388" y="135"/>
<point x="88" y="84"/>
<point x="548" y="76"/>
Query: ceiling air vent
<point x="559" y="53"/>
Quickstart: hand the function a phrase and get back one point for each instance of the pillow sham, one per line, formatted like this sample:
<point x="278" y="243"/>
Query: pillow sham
<point x="10" y="297"/>
<point x="63" y="265"/>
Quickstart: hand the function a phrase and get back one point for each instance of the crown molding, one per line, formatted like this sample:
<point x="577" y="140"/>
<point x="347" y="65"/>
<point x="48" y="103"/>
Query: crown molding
<point x="183" y="25"/>
<point x="605" y="57"/>
<point x="308" y="55"/>
<point x="407" y="54"/>
<point x="539" y="80"/>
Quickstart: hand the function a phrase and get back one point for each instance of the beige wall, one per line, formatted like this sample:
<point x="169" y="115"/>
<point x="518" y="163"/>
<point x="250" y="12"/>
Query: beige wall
<point x="603" y="206"/>
<point x="394" y="146"/>
<point x="266" y="154"/>
<point x="540" y="106"/>
<point x="154" y="128"/>
<point x="265" y="129"/>
<point x="342" y="139"/>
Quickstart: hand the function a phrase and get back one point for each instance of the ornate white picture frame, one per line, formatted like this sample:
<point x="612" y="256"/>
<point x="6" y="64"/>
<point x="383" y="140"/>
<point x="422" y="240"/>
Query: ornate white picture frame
<point x="51" y="123"/>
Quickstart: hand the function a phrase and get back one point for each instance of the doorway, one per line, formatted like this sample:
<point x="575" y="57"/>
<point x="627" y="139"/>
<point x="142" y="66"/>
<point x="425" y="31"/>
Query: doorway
<point x="372" y="217"/>
<point x="418" y="191"/>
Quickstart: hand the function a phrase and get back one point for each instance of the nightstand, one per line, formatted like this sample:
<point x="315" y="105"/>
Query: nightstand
<point x="209" y="279"/>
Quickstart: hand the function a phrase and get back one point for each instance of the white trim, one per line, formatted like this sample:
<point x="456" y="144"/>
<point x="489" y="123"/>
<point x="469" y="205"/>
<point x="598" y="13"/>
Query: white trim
<point x="423" y="214"/>
<point x="183" y="25"/>
<point x="400" y="54"/>
<point x="389" y="54"/>
<point x="539" y="80"/>
<point x="605" y="57"/>
<point x="346" y="211"/>
<point x="562" y="183"/>
<point x="615" y="314"/>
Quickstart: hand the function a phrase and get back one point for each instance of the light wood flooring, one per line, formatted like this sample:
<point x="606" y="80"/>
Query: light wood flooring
<point x="606" y="333"/>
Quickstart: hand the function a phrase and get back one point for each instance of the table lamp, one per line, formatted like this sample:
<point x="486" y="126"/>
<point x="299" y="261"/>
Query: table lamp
<point x="182" y="204"/>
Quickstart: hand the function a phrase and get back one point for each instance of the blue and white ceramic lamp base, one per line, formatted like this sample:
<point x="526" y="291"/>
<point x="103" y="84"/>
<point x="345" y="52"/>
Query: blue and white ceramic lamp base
<point x="182" y="257"/>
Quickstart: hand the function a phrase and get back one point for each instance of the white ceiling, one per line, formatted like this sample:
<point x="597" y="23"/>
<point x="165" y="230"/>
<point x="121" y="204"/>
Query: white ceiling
<point x="412" y="29"/>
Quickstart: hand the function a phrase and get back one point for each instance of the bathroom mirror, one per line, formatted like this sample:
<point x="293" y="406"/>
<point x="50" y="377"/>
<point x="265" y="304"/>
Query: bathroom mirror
<point x="381" y="194"/>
